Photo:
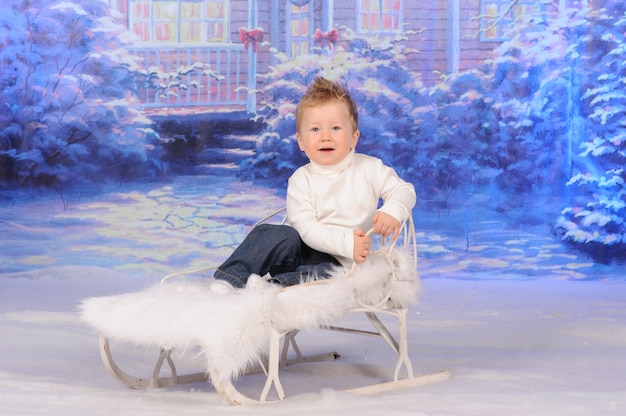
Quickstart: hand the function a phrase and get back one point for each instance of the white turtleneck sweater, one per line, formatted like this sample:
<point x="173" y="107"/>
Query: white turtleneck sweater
<point x="325" y="204"/>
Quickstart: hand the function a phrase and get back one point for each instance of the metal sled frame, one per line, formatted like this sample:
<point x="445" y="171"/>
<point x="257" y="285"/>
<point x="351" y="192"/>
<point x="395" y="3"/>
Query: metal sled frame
<point x="277" y="357"/>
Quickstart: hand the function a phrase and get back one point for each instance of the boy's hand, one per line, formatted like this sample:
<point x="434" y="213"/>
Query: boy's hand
<point x="361" y="246"/>
<point x="385" y="224"/>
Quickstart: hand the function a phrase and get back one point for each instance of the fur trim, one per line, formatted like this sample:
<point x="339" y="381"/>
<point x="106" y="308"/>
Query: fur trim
<point x="232" y="326"/>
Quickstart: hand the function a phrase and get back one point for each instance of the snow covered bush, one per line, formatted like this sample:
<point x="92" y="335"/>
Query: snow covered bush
<point x="394" y="109"/>
<point x="66" y="93"/>
<point x="460" y="153"/>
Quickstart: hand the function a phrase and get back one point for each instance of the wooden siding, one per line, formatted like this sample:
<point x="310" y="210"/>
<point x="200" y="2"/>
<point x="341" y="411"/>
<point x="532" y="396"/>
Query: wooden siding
<point x="473" y="50"/>
<point x="432" y="18"/>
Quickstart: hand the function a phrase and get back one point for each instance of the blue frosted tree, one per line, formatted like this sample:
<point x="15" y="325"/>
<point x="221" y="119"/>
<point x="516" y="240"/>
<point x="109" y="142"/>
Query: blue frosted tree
<point x="66" y="92"/>
<point x="595" y="222"/>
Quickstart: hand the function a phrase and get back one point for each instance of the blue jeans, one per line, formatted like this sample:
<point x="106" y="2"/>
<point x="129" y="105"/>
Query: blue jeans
<point x="279" y="251"/>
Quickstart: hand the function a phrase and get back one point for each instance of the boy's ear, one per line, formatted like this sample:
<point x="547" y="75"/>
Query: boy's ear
<point x="299" y="140"/>
<point x="355" y="138"/>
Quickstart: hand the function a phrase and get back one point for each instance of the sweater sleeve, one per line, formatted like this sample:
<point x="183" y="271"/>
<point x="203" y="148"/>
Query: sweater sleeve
<point x="398" y="195"/>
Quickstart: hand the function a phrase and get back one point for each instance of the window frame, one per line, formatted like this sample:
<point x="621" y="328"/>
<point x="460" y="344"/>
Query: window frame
<point x="150" y="24"/>
<point x="302" y="43"/>
<point x="500" y="21"/>
<point x="382" y="14"/>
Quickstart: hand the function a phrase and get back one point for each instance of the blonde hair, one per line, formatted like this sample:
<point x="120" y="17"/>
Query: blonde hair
<point x="323" y="91"/>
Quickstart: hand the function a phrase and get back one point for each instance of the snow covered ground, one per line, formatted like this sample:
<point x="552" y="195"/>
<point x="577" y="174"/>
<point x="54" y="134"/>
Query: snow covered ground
<point x="525" y="327"/>
<point x="514" y="347"/>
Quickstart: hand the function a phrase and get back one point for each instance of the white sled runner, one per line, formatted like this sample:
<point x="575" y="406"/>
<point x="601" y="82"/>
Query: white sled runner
<point x="252" y="330"/>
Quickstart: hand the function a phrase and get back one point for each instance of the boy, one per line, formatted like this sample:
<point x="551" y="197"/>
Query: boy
<point x="331" y="201"/>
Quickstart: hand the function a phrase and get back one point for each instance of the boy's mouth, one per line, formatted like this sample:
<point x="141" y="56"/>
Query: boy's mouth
<point x="326" y="149"/>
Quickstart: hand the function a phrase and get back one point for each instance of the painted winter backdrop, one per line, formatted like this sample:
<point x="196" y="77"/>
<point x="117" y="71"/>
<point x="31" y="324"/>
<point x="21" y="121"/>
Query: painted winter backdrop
<point x="518" y="165"/>
<point x="533" y="138"/>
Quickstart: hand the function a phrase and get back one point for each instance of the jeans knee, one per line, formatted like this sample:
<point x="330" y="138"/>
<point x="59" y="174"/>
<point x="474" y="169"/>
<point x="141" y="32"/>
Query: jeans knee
<point x="291" y="235"/>
<point x="276" y="234"/>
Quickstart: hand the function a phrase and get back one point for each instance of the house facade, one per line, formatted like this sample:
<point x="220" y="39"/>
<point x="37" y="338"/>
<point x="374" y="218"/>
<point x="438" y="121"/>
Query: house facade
<point x="234" y="40"/>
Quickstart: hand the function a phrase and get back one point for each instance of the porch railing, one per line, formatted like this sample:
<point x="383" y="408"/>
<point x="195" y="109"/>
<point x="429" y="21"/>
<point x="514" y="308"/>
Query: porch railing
<point x="214" y="75"/>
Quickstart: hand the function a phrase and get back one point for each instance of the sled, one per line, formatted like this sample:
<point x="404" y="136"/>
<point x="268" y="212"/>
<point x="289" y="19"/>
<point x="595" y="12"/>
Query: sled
<point x="382" y="287"/>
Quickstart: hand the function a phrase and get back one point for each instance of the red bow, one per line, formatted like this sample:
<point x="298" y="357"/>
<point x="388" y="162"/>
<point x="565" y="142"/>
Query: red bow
<point x="329" y="38"/>
<point x="255" y="36"/>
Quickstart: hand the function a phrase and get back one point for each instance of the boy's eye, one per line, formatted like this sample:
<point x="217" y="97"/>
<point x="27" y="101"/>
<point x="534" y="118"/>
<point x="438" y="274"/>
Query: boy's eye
<point x="336" y="128"/>
<point x="315" y="129"/>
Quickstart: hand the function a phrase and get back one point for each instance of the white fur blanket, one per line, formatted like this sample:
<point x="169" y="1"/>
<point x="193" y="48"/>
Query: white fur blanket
<point x="230" y="326"/>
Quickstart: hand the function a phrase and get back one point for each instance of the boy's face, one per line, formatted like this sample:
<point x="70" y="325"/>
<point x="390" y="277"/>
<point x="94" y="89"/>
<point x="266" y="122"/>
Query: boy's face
<point x="326" y="133"/>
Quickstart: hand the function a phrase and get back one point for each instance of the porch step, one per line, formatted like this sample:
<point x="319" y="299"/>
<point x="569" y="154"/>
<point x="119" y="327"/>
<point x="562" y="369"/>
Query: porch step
<point x="234" y="142"/>
<point x="225" y="153"/>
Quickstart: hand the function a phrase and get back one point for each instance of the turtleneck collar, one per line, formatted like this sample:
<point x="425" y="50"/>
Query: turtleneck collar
<point x="338" y="167"/>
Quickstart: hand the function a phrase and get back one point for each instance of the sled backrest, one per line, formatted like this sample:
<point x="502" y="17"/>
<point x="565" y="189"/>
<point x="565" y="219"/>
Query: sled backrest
<point x="385" y="246"/>
<point x="407" y="238"/>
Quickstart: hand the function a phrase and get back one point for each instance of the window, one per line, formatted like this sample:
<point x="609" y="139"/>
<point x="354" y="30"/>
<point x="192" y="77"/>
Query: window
<point x="380" y="16"/>
<point x="179" y="21"/>
<point x="298" y="27"/>
<point x="497" y="17"/>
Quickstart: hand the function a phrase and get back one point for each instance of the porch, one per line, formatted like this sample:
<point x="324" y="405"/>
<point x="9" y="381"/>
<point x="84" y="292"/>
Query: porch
<point x="202" y="75"/>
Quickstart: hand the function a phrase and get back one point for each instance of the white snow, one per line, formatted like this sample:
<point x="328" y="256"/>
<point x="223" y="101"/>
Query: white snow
<point x="515" y="347"/>
<point x="524" y="326"/>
